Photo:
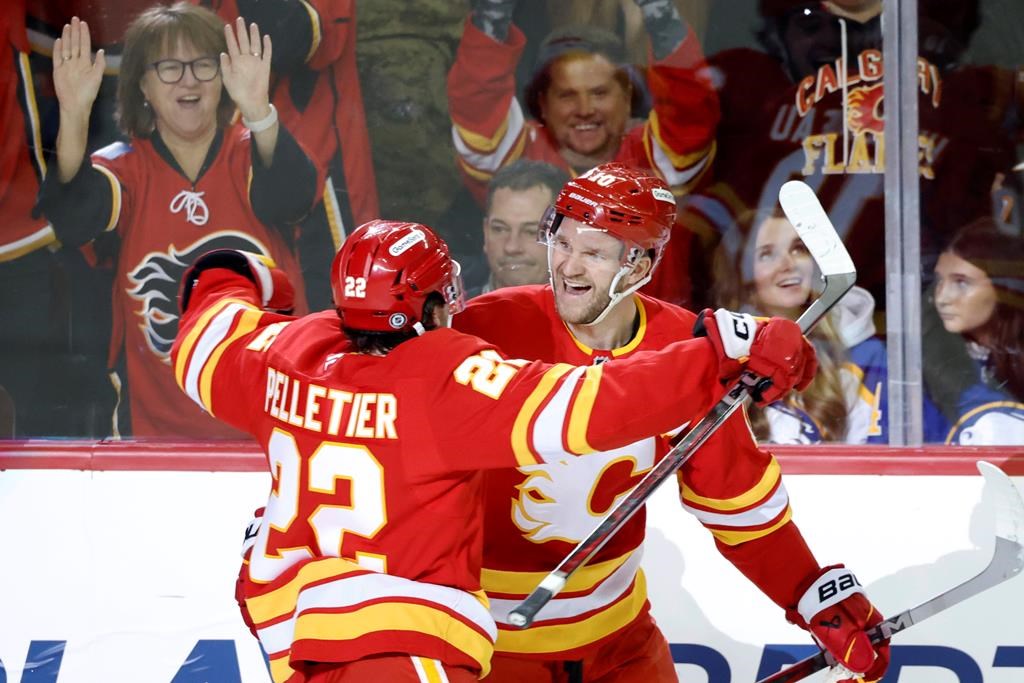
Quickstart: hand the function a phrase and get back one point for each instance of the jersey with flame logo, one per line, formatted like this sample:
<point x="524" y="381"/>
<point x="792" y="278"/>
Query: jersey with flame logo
<point x="565" y="500"/>
<point x="164" y="223"/>
<point x="155" y="282"/>
<point x="535" y="515"/>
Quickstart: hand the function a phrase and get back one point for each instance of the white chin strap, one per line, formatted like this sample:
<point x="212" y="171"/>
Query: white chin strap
<point x="616" y="297"/>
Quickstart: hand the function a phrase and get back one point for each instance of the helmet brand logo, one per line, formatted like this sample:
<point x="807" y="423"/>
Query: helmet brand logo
<point x="663" y="194"/>
<point x="398" y="320"/>
<point x="580" y="198"/>
<point x="404" y="244"/>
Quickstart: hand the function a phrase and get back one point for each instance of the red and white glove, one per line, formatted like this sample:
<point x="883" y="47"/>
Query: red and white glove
<point x="276" y="292"/>
<point x="771" y="347"/>
<point x="837" y="612"/>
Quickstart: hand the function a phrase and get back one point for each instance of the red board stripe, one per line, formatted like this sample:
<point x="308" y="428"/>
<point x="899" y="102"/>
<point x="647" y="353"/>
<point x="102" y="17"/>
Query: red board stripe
<point x="243" y="456"/>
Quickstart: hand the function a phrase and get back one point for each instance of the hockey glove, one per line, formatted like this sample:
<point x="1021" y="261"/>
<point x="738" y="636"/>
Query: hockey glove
<point x="275" y="291"/>
<point x="771" y="347"/>
<point x="837" y="613"/>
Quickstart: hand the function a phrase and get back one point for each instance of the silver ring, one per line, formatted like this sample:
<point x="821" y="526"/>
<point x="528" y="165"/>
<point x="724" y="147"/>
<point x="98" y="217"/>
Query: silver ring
<point x="257" y="54"/>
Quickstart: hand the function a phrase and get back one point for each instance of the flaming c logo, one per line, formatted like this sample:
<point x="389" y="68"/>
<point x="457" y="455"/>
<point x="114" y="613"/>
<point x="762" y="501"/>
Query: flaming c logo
<point x="154" y="283"/>
<point x="865" y="112"/>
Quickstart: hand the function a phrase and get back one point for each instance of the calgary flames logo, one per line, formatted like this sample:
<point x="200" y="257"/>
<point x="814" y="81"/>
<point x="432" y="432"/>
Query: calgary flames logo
<point x="563" y="501"/>
<point x="865" y="112"/>
<point x="155" y="281"/>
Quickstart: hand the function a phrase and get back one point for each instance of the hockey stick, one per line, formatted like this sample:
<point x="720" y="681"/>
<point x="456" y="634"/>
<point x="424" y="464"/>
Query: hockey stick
<point x="1007" y="561"/>
<point x="819" y="236"/>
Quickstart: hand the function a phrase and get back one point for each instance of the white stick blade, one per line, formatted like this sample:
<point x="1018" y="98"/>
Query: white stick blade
<point x="812" y="224"/>
<point x="1009" y="507"/>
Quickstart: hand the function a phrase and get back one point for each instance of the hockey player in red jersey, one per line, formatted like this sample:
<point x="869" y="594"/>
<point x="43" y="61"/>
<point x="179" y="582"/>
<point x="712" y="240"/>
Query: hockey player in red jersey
<point x="606" y="234"/>
<point x="377" y="429"/>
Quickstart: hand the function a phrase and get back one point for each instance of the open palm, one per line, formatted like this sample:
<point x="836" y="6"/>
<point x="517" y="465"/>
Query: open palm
<point x="76" y="77"/>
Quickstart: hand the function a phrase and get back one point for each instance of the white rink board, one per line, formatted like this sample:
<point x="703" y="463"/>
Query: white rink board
<point x="130" y="576"/>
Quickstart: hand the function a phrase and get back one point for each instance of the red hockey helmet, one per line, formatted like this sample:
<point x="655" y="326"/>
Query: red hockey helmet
<point x="385" y="270"/>
<point x="633" y="205"/>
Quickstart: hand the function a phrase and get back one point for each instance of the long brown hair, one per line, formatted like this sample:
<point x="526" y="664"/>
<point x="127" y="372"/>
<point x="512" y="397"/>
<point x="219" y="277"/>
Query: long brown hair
<point x="824" y="400"/>
<point x="148" y="38"/>
<point x="1001" y="256"/>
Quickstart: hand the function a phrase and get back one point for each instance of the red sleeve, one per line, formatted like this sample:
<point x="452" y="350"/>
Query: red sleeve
<point x="678" y="137"/>
<point x="735" y="490"/>
<point x="219" y="357"/>
<point x="489" y="128"/>
<point x="534" y="410"/>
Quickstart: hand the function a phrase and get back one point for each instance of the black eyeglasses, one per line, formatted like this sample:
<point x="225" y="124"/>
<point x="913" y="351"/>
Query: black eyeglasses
<point x="170" y="71"/>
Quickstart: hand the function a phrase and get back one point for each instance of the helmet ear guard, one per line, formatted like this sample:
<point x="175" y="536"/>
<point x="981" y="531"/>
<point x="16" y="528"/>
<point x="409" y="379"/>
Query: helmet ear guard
<point x="384" y="273"/>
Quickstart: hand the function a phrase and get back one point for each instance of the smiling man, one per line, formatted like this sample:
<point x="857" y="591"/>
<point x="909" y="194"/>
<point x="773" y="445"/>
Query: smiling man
<point x="584" y="108"/>
<point x="517" y="198"/>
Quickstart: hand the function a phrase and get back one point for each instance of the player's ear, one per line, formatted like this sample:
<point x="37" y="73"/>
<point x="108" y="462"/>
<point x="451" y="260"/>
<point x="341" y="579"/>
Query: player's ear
<point x="642" y="269"/>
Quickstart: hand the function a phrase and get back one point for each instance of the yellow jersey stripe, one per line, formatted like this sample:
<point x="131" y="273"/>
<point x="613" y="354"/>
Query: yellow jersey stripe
<point x="756" y="493"/>
<point x="397" y="616"/>
<point x="185" y="350"/>
<point x="570" y="635"/>
<point x="482" y="143"/>
<point x="115" y="205"/>
<point x="579" y="416"/>
<point x="280" y="669"/>
<point x="729" y="537"/>
<point x="314" y="24"/>
<point x="523" y="583"/>
<point x="680" y="161"/>
<point x="249" y="319"/>
<point x="281" y="601"/>
<point x="521" y="427"/>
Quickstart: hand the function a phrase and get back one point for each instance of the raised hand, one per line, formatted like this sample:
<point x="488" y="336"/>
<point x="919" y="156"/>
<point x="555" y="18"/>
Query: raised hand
<point x="246" y="69"/>
<point x="76" y="77"/>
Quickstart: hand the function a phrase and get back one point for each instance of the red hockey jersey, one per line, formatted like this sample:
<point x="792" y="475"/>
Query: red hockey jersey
<point x="676" y="141"/>
<point x="537" y="514"/>
<point x="164" y="223"/>
<point x="372" y="537"/>
<point x="22" y="165"/>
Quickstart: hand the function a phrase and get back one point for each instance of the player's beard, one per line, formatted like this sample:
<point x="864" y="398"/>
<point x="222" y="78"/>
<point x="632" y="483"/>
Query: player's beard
<point x="581" y="310"/>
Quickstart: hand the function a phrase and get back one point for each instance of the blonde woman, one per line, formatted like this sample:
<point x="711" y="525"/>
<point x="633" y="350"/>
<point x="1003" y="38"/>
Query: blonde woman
<point x="773" y="274"/>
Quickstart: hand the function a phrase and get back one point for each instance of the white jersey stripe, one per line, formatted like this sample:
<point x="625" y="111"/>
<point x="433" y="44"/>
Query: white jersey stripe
<point x="429" y="670"/>
<point x="354" y="590"/>
<point x="560" y="607"/>
<point x="491" y="161"/>
<point x="550" y="424"/>
<point x="676" y="177"/>
<point x="762" y="514"/>
<point x="216" y="331"/>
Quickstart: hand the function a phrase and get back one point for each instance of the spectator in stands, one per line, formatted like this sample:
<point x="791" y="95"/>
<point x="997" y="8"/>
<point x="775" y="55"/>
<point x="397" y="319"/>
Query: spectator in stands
<point x="979" y="295"/>
<point x="187" y="182"/>
<point x="581" y="99"/>
<point x="517" y="197"/>
<point x="317" y="93"/>
<point x="773" y="274"/>
<point x="809" y="105"/>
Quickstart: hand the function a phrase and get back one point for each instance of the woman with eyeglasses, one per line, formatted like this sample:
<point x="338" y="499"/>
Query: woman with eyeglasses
<point x="188" y="180"/>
